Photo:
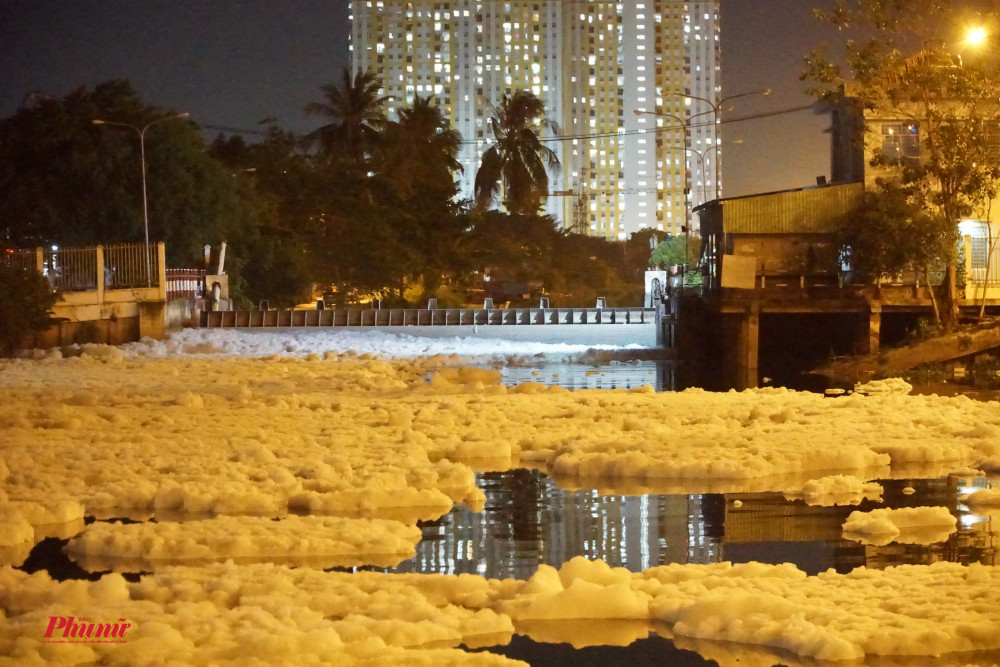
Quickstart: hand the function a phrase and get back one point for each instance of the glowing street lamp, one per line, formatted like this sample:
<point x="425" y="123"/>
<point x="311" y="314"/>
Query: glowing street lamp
<point x="976" y="36"/>
<point x="142" y="155"/>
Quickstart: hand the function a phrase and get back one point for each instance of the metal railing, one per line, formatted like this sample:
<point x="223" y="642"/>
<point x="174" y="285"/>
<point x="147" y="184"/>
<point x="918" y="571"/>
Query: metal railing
<point x="978" y="274"/>
<point x="126" y="266"/>
<point x="23" y="259"/>
<point x="71" y="269"/>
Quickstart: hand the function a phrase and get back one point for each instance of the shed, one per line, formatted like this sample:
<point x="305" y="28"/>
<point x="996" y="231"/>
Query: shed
<point x="785" y="237"/>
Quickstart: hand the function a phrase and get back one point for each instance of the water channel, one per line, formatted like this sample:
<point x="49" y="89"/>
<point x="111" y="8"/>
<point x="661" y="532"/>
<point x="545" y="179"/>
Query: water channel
<point x="530" y="518"/>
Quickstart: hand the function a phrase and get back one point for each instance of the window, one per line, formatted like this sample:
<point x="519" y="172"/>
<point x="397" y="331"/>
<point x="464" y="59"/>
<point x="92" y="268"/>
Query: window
<point x="900" y="142"/>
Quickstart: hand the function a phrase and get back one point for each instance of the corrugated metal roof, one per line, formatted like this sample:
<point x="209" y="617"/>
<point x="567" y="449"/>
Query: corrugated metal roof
<point x="808" y="210"/>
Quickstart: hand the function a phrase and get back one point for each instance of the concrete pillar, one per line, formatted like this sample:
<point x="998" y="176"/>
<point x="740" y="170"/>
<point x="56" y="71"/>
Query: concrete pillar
<point x="750" y="346"/>
<point x="873" y="341"/>
<point x="99" y="250"/>
<point x="161" y="269"/>
<point x="152" y="319"/>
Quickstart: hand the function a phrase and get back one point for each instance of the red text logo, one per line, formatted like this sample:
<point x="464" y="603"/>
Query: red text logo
<point x="72" y="630"/>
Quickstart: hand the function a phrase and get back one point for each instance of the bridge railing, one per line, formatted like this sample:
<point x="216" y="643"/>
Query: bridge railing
<point x="71" y="269"/>
<point x="129" y="265"/>
<point x="96" y="268"/>
<point x="22" y="259"/>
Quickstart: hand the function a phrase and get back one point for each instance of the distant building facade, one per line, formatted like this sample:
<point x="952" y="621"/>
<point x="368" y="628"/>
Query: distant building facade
<point x="594" y="64"/>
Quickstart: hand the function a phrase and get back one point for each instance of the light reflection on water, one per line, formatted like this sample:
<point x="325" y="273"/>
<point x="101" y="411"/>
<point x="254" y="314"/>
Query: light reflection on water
<point x="528" y="520"/>
<point x="613" y="375"/>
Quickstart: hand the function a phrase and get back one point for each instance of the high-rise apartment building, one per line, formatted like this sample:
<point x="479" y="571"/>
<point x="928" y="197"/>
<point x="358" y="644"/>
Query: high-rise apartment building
<point x="595" y="64"/>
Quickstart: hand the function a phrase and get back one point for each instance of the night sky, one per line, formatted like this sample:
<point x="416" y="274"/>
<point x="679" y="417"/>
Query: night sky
<point x="233" y="63"/>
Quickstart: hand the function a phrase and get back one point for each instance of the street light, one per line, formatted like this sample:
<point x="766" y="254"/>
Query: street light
<point x="142" y="157"/>
<point x="976" y="36"/>
<point x="701" y="159"/>
<point x="686" y="228"/>
<point x="716" y="111"/>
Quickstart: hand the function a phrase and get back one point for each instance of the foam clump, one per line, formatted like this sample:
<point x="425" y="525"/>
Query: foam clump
<point x="886" y="386"/>
<point x="15" y="529"/>
<point x="983" y="498"/>
<point x="247" y="538"/>
<point x="217" y="613"/>
<point x="230" y="424"/>
<point x="836" y="490"/>
<point x="912" y="525"/>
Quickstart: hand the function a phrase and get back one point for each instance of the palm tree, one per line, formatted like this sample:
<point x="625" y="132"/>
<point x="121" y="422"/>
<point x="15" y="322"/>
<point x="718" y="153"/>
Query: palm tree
<point x="515" y="167"/>
<point x="356" y="110"/>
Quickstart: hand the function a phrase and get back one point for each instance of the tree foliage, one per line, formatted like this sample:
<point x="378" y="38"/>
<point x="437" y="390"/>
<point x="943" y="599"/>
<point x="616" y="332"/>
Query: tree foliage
<point x="363" y="205"/>
<point x="676" y="250"/>
<point x="516" y="167"/>
<point x="356" y="113"/>
<point x="66" y="181"/>
<point x="894" y="233"/>
<point x="906" y="61"/>
<point x="25" y="306"/>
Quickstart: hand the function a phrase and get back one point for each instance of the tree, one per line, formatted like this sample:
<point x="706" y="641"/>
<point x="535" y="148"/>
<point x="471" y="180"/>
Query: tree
<point x="273" y="259"/>
<point x="903" y="64"/>
<point x="515" y="167"/>
<point x="25" y="305"/>
<point x="677" y="250"/>
<point x="416" y="165"/>
<point x="894" y="232"/>
<point x="67" y="181"/>
<point x="357" y="113"/>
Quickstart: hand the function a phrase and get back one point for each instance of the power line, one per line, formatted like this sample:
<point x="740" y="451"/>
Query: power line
<point x="572" y="137"/>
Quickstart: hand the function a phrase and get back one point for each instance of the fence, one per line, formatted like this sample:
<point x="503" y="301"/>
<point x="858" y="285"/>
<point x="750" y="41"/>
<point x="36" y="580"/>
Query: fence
<point x="122" y="266"/>
<point x="71" y="269"/>
<point x="130" y="265"/>
<point x="22" y="259"/>
<point x="401" y="317"/>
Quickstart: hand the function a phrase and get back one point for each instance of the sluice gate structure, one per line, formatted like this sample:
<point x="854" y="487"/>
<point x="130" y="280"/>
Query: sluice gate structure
<point x="642" y="327"/>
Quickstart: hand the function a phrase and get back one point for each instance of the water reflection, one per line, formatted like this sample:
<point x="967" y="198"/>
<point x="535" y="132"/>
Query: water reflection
<point x="614" y="374"/>
<point x="528" y="520"/>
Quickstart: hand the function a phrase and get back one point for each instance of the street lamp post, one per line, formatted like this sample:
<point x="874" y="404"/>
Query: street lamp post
<point x="716" y="111"/>
<point x="686" y="228"/>
<point x="142" y="158"/>
<point x="701" y="160"/>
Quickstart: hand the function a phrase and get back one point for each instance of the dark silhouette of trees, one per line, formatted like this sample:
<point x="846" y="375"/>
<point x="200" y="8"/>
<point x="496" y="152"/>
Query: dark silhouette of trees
<point x="66" y="181"/>
<point x="25" y="303"/>
<point x="363" y="205"/>
<point x="356" y="112"/>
